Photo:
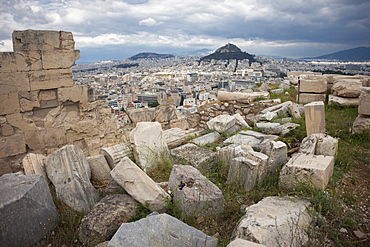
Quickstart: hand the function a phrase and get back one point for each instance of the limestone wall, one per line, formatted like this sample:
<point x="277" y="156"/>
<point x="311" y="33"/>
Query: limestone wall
<point x="40" y="107"/>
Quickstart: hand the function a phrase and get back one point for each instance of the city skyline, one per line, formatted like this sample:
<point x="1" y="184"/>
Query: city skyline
<point x="114" y="30"/>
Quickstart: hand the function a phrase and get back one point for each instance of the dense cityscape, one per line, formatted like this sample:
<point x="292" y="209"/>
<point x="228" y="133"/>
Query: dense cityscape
<point x="145" y="82"/>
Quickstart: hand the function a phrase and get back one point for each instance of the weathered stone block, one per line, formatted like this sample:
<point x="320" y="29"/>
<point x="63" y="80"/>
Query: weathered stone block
<point x="313" y="86"/>
<point x="49" y="79"/>
<point x="46" y="95"/>
<point x="319" y="144"/>
<point x="226" y="154"/>
<point x="175" y="137"/>
<point x="141" y="115"/>
<point x="240" y="121"/>
<point x="21" y="121"/>
<point x="308" y="168"/>
<point x="241" y="97"/>
<point x="34" y="40"/>
<point x="194" y="193"/>
<point x="27" y="211"/>
<point x="181" y="123"/>
<point x="28" y="100"/>
<point x="105" y="218"/>
<point x="246" y="172"/>
<point x="14" y="82"/>
<point x="69" y="171"/>
<point x="238" y="242"/>
<point x="100" y="169"/>
<point x="148" y="144"/>
<point x="276" y="221"/>
<point x="315" y="117"/>
<point x="116" y="153"/>
<point x="165" y="113"/>
<point x="12" y="145"/>
<point x="76" y="93"/>
<point x="81" y="129"/>
<point x="305" y="98"/>
<point x="361" y="124"/>
<point x="348" y="88"/>
<point x="202" y="159"/>
<point x="49" y="103"/>
<point x="9" y="104"/>
<point x="277" y="151"/>
<point x="59" y="59"/>
<point x="207" y="138"/>
<point x="34" y="164"/>
<point x="169" y="231"/>
<point x="6" y="130"/>
<point x="364" y="101"/>
<point x="252" y="138"/>
<point x="42" y="138"/>
<point x="341" y="101"/>
<point x="20" y="61"/>
<point x="139" y="185"/>
<point x="221" y="123"/>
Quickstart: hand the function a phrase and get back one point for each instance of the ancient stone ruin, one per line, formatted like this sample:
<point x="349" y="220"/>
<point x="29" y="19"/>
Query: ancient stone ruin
<point x="41" y="109"/>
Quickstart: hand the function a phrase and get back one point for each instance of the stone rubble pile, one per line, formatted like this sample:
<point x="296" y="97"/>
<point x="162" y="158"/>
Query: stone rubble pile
<point x="249" y="155"/>
<point x="67" y="138"/>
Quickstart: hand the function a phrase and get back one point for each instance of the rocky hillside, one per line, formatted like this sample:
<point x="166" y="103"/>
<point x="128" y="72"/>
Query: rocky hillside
<point x="150" y="55"/>
<point x="228" y="52"/>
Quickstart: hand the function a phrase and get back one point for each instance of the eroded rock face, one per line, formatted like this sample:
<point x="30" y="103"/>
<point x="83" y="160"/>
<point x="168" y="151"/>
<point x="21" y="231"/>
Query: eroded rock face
<point x="69" y="171"/>
<point x="27" y="210"/>
<point x="105" y="218"/>
<point x="195" y="194"/>
<point x="159" y="230"/>
<point x="139" y="185"/>
<point x="275" y="221"/>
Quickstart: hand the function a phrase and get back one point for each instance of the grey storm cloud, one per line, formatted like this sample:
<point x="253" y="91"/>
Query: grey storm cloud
<point x="257" y="25"/>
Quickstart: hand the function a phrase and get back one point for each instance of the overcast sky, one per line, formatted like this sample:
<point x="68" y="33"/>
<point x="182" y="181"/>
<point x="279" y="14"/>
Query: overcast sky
<point x="114" y="30"/>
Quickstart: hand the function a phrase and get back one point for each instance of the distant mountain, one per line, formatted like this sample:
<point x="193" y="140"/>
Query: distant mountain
<point x="200" y="52"/>
<point x="228" y="52"/>
<point x="151" y="55"/>
<point x="355" y="54"/>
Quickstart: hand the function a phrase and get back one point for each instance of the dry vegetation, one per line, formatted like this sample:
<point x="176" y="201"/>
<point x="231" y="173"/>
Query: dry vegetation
<point x="345" y="204"/>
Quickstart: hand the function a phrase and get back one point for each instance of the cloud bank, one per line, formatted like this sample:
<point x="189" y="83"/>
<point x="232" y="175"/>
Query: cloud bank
<point x="292" y="28"/>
